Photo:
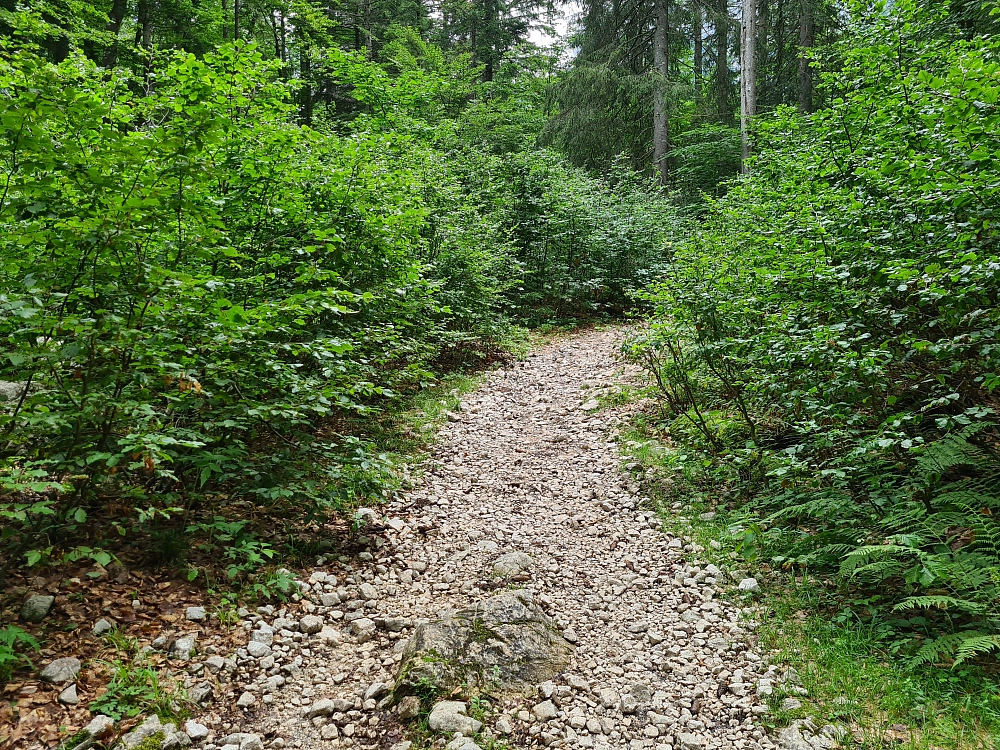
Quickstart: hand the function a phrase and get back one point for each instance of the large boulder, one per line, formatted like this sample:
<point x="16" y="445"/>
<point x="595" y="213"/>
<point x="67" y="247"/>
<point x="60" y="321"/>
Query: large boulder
<point x="505" y="643"/>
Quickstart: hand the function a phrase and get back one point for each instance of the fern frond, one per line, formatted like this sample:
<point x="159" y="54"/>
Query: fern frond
<point x="975" y="646"/>
<point x="940" y="602"/>
<point x="946" y="645"/>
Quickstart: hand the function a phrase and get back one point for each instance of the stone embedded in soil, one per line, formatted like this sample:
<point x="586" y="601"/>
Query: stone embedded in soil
<point x="36" y="608"/>
<point x="195" y="614"/>
<point x="448" y="717"/>
<point x="68" y="696"/>
<point x="505" y="642"/>
<point x="61" y="671"/>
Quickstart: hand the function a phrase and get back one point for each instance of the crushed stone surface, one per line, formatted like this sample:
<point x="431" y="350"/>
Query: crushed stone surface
<point x="527" y="466"/>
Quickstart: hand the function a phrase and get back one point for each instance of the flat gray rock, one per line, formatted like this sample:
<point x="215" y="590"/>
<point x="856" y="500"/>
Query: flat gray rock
<point x="36" y="608"/>
<point x="448" y="717"/>
<point x="61" y="670"/>
<point x="504" y="643"/>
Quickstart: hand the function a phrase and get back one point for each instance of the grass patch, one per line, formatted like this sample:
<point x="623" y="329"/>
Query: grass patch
<point x="843" y="654"/>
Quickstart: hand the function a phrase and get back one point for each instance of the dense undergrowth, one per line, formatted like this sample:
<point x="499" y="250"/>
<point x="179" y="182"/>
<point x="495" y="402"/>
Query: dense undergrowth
<point x="207" y="307"/>
<point x="825" y="344"/>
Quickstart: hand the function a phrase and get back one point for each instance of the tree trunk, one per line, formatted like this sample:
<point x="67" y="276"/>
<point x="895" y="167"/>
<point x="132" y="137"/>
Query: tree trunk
<point x="144" y="31"/>
<point x="748" y="73"/>
<point x="115" y="18"/>
<point x="225" y="21"/>
<point x="699" y="53"/>
<point x="305" y="68"/>
<point x="807" y="38"/>
<point x="661" y="62"/>
<point x="722" y="62"/>
<point x="236" y="20"/>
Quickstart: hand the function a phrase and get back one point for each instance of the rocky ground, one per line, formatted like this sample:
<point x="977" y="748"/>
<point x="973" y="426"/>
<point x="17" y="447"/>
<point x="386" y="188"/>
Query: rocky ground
<point x="523" y="493"/>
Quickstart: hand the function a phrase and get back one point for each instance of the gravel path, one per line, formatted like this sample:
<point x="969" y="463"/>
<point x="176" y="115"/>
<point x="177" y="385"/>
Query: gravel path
<point x="528" y="465"/>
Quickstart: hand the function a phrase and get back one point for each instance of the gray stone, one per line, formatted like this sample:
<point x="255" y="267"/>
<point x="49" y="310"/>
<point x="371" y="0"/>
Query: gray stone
<point x="368" y="592"/>
<point x="246" y="700"/>
<point x="404" y="745"/>
<point x="174" y="740"/>
<point x="377" y="690"/>
<point x="609" y="698"/>
<point x="545" y="710"/>
<point x="142" y="732"/>
<point x="68" y="696"/>
<point x="11" y="390"/>
<point x="195" y="614"/>
<point x="100" y="725"/>
<point x="311" y="624"/>
<point x="201" y="694"/>
<point x="505" y="642"/>
<point x="363" y="629"/>
<point x="329" y="600"/>
<point x="504" y="725"/>
<point x="258" y="650"/>
<point x="448" y="717"/>
<point x="409" y="707"/>
<point x="36" y="608"/>
<point x="215" y="664"/>
<point x="183" y="647"/>
<point x="749" y="585"/>
<point x="322" y="707"/>
<point x="791" y="737"/>
<point x="252" y="742"/>
<point x="329" y="731"/>
<point x="791" y="704"/>
<point x="61" y="670"/>
<point x="688" y="741"/>
<point x="197" y="732"/>
<point x="512" y="563"/>
<point x="102" y="626"/>
<point x="578" y="683"/>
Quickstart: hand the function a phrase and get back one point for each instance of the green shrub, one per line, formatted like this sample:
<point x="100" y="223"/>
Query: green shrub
<point x="841" y="304"/>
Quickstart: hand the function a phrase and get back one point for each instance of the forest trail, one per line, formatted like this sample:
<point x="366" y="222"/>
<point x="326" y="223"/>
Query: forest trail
<point x="528" y="465"/>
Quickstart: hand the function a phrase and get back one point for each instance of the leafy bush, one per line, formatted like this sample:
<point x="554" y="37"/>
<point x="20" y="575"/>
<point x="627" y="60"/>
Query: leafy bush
<point x="841" y="305"/>
<point x="198" y="296"/>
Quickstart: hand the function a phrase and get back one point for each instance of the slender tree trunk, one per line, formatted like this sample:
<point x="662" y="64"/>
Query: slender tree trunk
<point x="236" y="19"/>
<point x="807" y="38"/>
<point x="115" y="18"/>
<point x="144" y="30"/>
<point x="722" y="62"/>
<point x="225" y="21"/>
<point x="284" y="45"/>
<point x="748" y="72"/>
<point x="305" y="68"/>
<point x="661" y="69"/>
<point x="699" y="52"/>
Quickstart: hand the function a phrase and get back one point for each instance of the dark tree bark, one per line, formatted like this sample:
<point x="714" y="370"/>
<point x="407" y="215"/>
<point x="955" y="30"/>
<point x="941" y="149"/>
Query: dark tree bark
<point x="807" y="38"/>
<point x="115" y="18"/>
<point x="144" y="29"/>
<point x="699" y="52"/>
<point x="722" y="62"/>
<point x="661" y="69"/>
<point x="748" y="71"/>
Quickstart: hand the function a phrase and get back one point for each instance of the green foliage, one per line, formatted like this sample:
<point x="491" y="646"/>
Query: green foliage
<point x="14" y="646"/>
<point x="135" y="687"/>
<point x="198" y="295"/>
<point x="829" y="334"/>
